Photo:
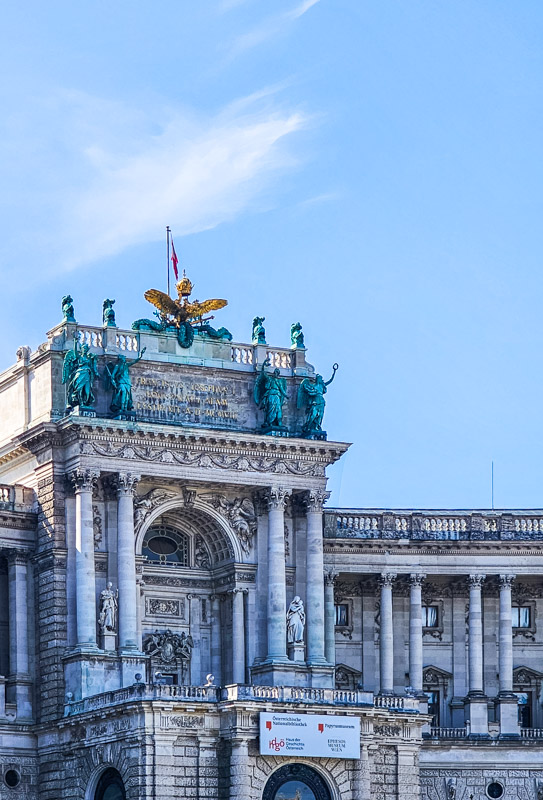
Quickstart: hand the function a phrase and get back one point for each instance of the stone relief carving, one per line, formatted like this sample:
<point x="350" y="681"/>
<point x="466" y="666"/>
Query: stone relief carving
<point x="450" y="787"/>
<point x="241" y="515"/>
<point x="201" y="555"/>
<point x="156" y="605"/>
<point x="167" y="646"/>
<point x="97" y="526"/>
<point x="206" y="460"/>
<point x="287" y="541"/>
<point x="144" y="505"/>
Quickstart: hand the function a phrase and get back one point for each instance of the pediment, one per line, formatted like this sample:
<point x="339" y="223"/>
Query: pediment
<point x="435" y="675"/>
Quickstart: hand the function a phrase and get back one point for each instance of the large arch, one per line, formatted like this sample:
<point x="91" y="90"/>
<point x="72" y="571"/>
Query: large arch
<point x="200" y="518"/>
<point x="297" y="780"/>
<point x="106" y="783"/>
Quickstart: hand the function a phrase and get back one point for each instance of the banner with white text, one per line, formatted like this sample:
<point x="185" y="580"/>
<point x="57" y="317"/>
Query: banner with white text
<point x="315" y="735"/>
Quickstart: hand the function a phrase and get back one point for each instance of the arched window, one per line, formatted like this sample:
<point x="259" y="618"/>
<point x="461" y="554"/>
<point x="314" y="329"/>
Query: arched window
<point x="296" y="781"/>
<point x="110" y="786"/>
<point x="167" y="545"/>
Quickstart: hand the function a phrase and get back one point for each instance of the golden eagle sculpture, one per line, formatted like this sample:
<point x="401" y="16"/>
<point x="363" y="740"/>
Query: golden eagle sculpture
<point x="186" y="316"/>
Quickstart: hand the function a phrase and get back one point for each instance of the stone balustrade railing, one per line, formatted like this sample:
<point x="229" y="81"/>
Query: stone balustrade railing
<point x="14" y="497"/>
<point x="426" y="525"/>
<point x="531" y="733"/>
<point x="448" y="733"/>
<point x="141" y="692"/>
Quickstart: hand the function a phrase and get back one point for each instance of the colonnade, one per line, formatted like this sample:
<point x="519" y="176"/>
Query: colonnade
<point x="84" y="481"/>
<point x="476" y="699"/>
<point x="16" y="686"/>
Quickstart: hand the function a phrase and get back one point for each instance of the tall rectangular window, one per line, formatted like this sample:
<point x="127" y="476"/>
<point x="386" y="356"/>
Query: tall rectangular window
<point x="342" y="614"/>
<point x="429" y="616"/>
<point x="521" y="616"/>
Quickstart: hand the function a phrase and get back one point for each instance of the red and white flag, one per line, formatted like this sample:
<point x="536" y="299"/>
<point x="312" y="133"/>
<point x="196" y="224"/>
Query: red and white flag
<point x="175" y="261"/>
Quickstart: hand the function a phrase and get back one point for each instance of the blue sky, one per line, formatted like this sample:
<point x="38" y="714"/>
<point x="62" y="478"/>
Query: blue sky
<point x="372" y="168"/>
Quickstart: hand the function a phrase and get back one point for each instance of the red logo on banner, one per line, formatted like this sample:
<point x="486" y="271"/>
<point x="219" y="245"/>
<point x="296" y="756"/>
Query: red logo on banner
<point x="268" y="725"/>
<point x="321" y="727"/>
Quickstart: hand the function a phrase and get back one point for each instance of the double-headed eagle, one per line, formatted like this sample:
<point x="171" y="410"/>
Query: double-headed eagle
<point x="183" y="313"/>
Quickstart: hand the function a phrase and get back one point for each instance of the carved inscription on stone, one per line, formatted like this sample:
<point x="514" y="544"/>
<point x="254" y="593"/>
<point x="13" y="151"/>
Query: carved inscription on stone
<point x="181" y="721"/>
<point x="157" y="605"/>
<point x="186" y="400"/>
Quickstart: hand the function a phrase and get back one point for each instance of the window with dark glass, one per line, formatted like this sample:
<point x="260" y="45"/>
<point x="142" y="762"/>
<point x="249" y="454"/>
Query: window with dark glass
<point x="342" y="615"/>
<point x="433" y="707"/>
<point x="522" y="616"/>
<point x="524" y="709"/>
<point x="166" y="545"/>
<point x="429" y="616"/>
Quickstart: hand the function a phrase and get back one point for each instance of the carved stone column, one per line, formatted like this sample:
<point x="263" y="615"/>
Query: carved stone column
<point x="315" y="577"/>
<point x="84" y="481"/>
<point x="216" y="638"/>
<point x="329" y="617"/>
<point x="386" y="652"/>
<point x="507" y="701"/>
<point x="238" y="636"/>
<point x="126" y="561"/>
<point x="415" y="633"/>
<point x="240" y="770"/>
<point x="19" y="677"/>
<point x="477" y="703"/>
<point x="277" y="600"/>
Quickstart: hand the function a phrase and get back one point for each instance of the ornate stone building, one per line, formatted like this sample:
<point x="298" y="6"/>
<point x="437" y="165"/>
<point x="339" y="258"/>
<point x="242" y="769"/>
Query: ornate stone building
<point x="173" y="594"/>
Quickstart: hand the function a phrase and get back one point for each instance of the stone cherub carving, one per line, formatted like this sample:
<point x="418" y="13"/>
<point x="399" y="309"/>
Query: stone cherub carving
<point x="241" y="515"/>
<point x="118" y="379"/>
<point x="108" y="313"/>
<point x="107" y="619"/>
<point x="67" y="305"/>
<point x="311" y="395"/>
<point x="79" y="373"/>
<point x="270" y="393"/>
<point x="296" y="335"/>
<point x="259" y="331"/>
<point x="295" y="621"/>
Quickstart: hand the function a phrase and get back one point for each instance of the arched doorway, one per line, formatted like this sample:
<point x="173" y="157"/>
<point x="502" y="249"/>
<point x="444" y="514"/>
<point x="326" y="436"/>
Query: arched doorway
<point x="296" y="782"/>
<point x="110" y="786"/>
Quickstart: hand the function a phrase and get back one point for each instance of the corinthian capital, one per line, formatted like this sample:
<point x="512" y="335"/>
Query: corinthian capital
<point x="126" y="483"/>
<point x="315" y="499"/>
<point x="277" y="497"/>
<point x="387" y="578"/>
<point x="506" y="581"/>
<point x="330" y="578"/>
<point x="416" y="579"/>
<point x="84" y="480"/>
<point x="476" y="581"/>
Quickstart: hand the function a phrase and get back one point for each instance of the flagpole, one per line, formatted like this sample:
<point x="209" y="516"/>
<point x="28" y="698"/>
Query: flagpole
<point x="168" y="257"/>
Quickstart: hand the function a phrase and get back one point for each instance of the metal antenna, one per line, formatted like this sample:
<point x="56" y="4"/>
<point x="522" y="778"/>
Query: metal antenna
<point x="492" y="484"/>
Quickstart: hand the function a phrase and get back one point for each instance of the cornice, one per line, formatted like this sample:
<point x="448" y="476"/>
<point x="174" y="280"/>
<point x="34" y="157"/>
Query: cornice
<point x="444" y="548"/>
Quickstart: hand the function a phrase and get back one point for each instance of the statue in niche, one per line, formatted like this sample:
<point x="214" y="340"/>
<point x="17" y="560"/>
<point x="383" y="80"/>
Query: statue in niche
<point x="107" y="619"/>
<point x="296" y="335"/>
<point x="295" y="621"/>
<point x="259" y="331"/>
<point x="120" y="382"/>
<point x="67" y="305"/>
<point x="270" y="393"/>
<point x="311" y="395"/>
<point x="108" y="313"/>
<point x="79" y="373"/>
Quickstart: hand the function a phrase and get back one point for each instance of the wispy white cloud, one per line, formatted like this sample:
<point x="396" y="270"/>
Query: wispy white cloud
<point x="269" y="28"/>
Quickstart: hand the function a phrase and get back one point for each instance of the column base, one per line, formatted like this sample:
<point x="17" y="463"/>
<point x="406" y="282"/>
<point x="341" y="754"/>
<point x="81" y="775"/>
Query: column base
<point x="477" y="705"/>
<point x="508" y="716"/>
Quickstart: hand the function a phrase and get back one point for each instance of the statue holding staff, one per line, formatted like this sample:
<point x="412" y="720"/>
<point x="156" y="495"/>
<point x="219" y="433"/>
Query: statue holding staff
<point x="270" y="393"/>
<point x="120" y="381"/>
<point x="311" y="395"/>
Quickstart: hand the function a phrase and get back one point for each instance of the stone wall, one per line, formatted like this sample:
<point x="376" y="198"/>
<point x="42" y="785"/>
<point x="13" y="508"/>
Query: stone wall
<point x="519" y="784"/>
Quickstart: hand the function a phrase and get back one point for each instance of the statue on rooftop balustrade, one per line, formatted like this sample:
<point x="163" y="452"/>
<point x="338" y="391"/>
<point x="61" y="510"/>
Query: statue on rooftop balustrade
<point x="118" y="379"/>
<point x="259" y="331"/>
<point x="270" y="393"/>
<point x="181" y="315"/>
<point x="79" y="373"/>
<point x="67" y="306"/>
<point x="108" y="313"/>
<point x="311" y="396"/>
<point x="296" y="335"/>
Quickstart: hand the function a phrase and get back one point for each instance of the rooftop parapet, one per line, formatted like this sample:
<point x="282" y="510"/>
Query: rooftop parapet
<point x="371" y="523"/>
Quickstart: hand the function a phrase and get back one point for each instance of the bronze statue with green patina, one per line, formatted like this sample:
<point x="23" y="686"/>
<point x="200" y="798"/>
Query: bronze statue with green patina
<point x="311" y="396"/>
<point x="118" y="379"/>
<point x="270" y="393"/>
<point x="79" y="373"/>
